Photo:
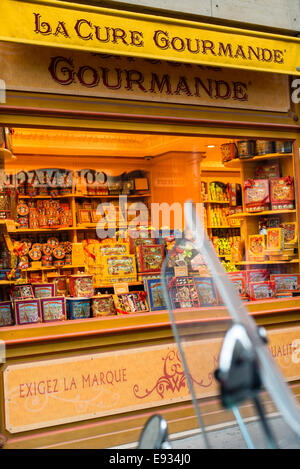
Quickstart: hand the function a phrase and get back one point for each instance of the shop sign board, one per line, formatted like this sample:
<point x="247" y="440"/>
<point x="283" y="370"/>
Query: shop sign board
<point x="51" y="70"/>
<point x="57" y="23"/>
<point x="52" y="392"/>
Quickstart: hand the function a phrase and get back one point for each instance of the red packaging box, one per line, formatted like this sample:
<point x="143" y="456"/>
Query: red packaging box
<point x="256" y="195"/>
<point x="261" y="290"/>
<point x="282" y="193"/>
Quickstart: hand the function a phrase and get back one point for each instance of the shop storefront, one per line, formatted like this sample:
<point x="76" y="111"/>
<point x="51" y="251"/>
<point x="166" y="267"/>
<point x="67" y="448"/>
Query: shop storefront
<point x="131" y="113"/>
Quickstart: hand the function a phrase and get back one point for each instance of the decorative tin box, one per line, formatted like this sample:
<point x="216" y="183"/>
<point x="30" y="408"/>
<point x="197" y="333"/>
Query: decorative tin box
<point x="256" y="195"/>
<point x="261" y="290"/>
<point x="27" y="311"/>
<point x="114" y="249"/>
<point x="256" y="247"/>
<point x="53" y="309"/>
<point x="264" y="147"/>
<point x="246" y="148"/>
<point x="135" y="242"/>
<point x="290" y="233"/>
<point x="81" y="285"/>
<point x="275" y="238"/>
<point x="150" y="258"/>
<point x="155" y="295"/>
<point x="282" y="193"/>
<point x="78" y="308"/>
<point x="284" y="146"/>
<point x="286" y="282"/>
<point x="103" y="305"/>
<point x="133" y="302"/>
<point x="239" y="281"/>
<point x="206" y="291"/>
<point x="268" y="171"/>
<point x="256" y="275"/>
<point x="60" y="284"/>
<point x="229" y="151"/>
<point x="43" y="290"/>
<point x="183" y="293"/>
<point x="22" y="291"/>
<point x="6" y="314"/>
<point x="119" y="267"/>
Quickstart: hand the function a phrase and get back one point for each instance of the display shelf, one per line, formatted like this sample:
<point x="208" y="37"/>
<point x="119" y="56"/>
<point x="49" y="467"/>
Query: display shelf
<point x="293" y="261"/>
<point x="41" y="230"/>
<point x="215" y="202"/>
<point x="91" y="226"/>
<point x="55" y="267"/>
<point x="7" y="282"/>
<point x="221" y="227"/>
<point x="236" y="162"/>
<point x="109" y="196"/>
<point x="85" y="196"/>
<point x="112" y="285"/>
<point x="65" y="196"/>
<point x="257" y="214"/>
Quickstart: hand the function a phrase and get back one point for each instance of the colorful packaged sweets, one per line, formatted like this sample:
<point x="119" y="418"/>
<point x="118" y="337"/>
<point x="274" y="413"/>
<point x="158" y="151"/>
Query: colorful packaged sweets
<point x="6" y="314"/>
<point x="43" y="290"/>
<point x="286" y="282"/>
<point x="81" y="285"/>
<point x="78" y="308"/>
<point x="206" y="291"/>
<point x="132" y="302"/>
<point x="150" y="257"/>
<point x="155" y="295"/>
<point x="282" y="193"/>
<point x="183" y="293"/>
<point x="261" y="290"/>
<point x="256" y="195"/>
<point x="53" y="309"/>
<point x="27" y="311"/>
<point x="102" y="305"/>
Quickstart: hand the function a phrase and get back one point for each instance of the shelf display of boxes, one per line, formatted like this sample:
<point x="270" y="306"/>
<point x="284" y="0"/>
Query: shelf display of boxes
<point x="56" y="250"/>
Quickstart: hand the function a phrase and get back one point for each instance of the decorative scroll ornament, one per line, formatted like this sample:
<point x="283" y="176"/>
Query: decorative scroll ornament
<point x="173" y="378"/>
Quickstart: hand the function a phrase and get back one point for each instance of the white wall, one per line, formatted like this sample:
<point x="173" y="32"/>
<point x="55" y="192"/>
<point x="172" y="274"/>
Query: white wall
<point x="284" y="14"/>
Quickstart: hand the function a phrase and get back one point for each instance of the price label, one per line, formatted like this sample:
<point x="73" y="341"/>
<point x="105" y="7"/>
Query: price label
<point x="181" y="271"/>
<point x="120" y="288"/>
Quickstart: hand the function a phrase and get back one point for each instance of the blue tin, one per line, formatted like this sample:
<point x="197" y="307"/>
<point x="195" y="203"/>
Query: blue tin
<point x="78" y="308"/>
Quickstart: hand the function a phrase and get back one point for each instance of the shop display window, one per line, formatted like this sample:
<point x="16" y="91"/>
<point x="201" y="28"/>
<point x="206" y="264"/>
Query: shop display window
<point x="74" y="227"/>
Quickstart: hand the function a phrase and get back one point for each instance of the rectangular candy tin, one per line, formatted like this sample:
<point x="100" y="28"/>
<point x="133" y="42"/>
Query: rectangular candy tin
<point x="78" y="308"/>
<point x="43" y="290"/>
<point x="6" y="314"/>
<point x="28" y="311"/>
<point x="53" y="309"/>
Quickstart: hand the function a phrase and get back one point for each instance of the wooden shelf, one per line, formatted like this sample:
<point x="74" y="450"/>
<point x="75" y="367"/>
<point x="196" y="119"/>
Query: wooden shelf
<point x="84" y="196"/>
<point x="257" y="214"/>
<point x="220" y="227"/>
<point x="235" y="163"/>
<point x="7" y="282"/>
<point x="55" y="267"/>
<point x="215" y="202"/>
<point x="41" y="230"/>
<point x="111" y="285"/>
<point x="131" y="196"/>
<point x="65" y="196"/>
<point x="293" y="261"/>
